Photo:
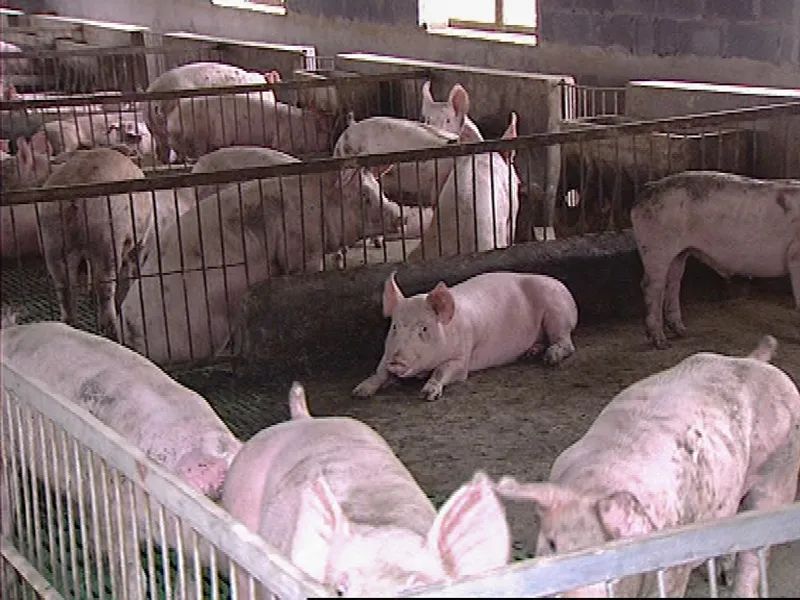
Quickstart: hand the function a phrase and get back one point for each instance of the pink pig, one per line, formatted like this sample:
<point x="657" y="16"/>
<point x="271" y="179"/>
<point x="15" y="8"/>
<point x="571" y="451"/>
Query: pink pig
<point x="330" y="493"/>
<point x="489" y="320"/>
<point x="712" y="436"/>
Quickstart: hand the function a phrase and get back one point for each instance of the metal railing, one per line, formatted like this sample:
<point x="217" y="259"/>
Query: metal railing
<point x="654" y="554"/>
<point x="86" y="514"/>
<point x="580" y="102"/>
<point x="305" y="120"/>
<point x="243" y="226"/>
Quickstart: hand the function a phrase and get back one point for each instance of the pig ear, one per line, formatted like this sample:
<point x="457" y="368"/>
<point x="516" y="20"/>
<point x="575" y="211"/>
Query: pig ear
<point x="546" y="496"/>
<point x="320" y="521"/>
<point x="459" y="100"/>
<point x="392" y="296"/>
<point x="623" y="516"/>
<point x="470" y="533"/>
<point x="381" y="170"/>
<point x="510" y="134"/>
<point x="442" y="302"/>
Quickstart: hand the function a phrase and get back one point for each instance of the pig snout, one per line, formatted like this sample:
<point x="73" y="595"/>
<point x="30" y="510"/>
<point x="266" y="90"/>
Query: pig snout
<point x="400" y="365"/>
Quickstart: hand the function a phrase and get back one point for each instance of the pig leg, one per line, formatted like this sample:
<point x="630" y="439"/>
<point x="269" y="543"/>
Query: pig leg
<point x="794" y="269"/>
<point x="105" y="286"/>
<point x="774" y="487"/>
<point x="63" y="270"/>
<point x="452" y="370"/>
<point x="653" y="284"/>
<point x="373" y="383"/>
<point x="557" y="326"/>
<point x="672" y="295"/>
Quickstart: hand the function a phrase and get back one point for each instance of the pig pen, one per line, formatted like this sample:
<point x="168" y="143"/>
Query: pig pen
<point x="331" y="355"/>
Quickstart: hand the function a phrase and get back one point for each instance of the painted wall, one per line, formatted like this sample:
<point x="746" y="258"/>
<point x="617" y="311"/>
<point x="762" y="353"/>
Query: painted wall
<point x="751" y="42"/>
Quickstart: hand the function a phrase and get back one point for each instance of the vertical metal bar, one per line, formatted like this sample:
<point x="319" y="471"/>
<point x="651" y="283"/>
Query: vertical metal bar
<point x="87" y="571"/>
<point x="91" y="460"/>
<point x="763" y="581"/>
<point x="662" y="585"/>
<point x="105" y="494"/>
<point x="711" y="563"/>
<point x="475" y="202"/>
<point x="165" y="563"/>
<point x="48" y="495"/>
<point x="34" y="478"/>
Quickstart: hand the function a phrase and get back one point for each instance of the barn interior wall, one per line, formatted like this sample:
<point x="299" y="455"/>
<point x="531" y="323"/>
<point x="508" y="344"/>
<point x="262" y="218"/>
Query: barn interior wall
<point x="600" y="42"/>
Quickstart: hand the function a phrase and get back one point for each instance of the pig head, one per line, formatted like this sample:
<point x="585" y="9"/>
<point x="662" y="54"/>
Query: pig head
<point x="450" y="115"/>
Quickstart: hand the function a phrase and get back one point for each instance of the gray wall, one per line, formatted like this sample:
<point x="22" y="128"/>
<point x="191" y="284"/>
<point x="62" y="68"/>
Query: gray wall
<point x="565" y="48"/>
<point x="762" y="30"/>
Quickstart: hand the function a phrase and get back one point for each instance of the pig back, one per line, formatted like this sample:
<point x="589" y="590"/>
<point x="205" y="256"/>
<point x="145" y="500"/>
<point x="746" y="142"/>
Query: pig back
<point x="371" y="484"/>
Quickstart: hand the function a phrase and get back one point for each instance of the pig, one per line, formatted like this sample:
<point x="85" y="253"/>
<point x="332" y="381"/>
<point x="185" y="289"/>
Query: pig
<point x="172" y="425"/>
<point x="477" y="208"/>
<point x="102" y="231"/>
<point x="330" y="494"/>
<point x="20" y="224"/>
<point x="733" y="224"/>
<point x="201" y="125"/>
<point x="224" y="245"/>
<point x="237" y="157"/>
<point x="488" y="320"/>
<point x="450" y="115"/>
<point x="412" y="184"/>
<point x="189" y="77"/>
<point x="702" y="440"/>
<point x="9" y="67"/>
<point x="92" y="131"/>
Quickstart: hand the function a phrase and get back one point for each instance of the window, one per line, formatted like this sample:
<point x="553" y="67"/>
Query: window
<point x="275" y="7"/>
<point x="497" y="16"/>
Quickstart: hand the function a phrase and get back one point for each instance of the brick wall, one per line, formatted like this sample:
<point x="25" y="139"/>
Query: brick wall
<point x="764" y="30"/>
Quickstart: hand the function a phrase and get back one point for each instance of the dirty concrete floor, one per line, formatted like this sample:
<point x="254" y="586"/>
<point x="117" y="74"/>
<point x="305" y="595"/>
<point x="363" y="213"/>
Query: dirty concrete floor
<point x="516" y="419"/>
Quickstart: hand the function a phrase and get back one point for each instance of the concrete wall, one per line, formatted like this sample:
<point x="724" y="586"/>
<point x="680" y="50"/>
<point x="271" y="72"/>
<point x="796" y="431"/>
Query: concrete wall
<point x="762" y="30"/>
<point x="311" y="22"/>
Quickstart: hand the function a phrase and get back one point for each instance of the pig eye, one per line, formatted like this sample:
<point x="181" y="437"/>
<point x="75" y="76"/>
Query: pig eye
<point x="552" y="546"/>
<point x="424" y="329"/>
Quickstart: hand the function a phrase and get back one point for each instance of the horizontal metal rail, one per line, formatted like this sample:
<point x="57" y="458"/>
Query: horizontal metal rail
<point x="245" y="547"/>
<point x="697" y="542"/>
<point x="96" y="51"/>
<point x="673" y="124"/>
<point x="144" y="97"/>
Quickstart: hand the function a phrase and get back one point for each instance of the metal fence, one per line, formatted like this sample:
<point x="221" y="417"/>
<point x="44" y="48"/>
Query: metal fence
<point x="48" y="72"/>
<point x="654" y="555"/>
<point x="301" y="117"/>
<point x="580" y="102"/>
<point x="87" y="515"/>
<point x="238" y="228"/>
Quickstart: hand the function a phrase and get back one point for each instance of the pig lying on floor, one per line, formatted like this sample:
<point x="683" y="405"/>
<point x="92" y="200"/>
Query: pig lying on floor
<point x="703" y="440"/>
<point x="489" y="320"/>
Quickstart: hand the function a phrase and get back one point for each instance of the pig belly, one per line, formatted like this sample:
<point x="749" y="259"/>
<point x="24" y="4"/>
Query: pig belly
<point x="507" y="340"/>
<point x="753" y="256"/>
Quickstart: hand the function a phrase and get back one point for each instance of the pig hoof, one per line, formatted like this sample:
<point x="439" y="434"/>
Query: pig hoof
<point x="365" y="389"/>
<point x="679" y="329"/>
<point x="432" y="392"/>
<point x="659" y="341"/>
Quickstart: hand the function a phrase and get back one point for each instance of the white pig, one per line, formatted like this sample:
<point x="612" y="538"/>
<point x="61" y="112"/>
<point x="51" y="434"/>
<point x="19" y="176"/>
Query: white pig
<point x="735" y="225"/>
<point x="92" y="131"/>
<point x="709" y="437"/>
<point x="102" y="231"/>
<point x="201" y="125"/>
<point x="29" y="167"/>
<point x="477" y="208"/>
<point x="190" y="77"/>
<point x="169" y="423"/>
<point x="450" y="115"/>
<point x="488" y="320"/>
<point x="237" y="157"/>
<point x="330" y="493"/>
<point x="226" y="244"/>
<point x="411" y="184"/>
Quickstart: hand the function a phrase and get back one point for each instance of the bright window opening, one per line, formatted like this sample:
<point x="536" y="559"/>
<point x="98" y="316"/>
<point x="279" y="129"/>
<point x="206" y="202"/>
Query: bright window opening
<point x="491" y="16"/>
